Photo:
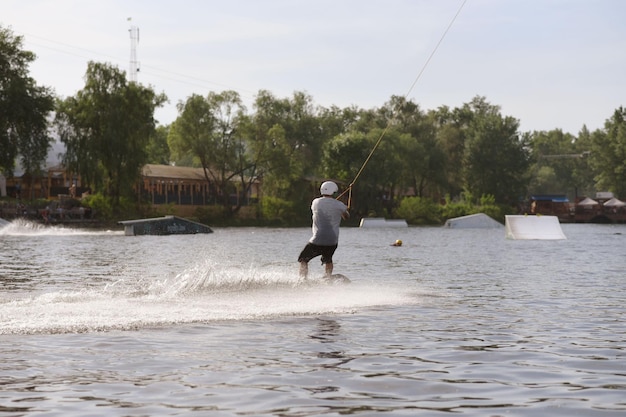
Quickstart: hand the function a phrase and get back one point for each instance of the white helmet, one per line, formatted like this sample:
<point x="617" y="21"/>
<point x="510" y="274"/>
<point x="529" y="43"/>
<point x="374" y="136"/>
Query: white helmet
<point x="328" y="188"/>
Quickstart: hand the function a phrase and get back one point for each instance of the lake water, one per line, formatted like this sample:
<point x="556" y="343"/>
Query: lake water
<point x="454" y="322"/>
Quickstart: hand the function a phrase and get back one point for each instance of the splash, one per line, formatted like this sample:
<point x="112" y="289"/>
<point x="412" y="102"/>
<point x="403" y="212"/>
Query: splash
<point x="21" y="227"/>
<point x="201" y="294"/>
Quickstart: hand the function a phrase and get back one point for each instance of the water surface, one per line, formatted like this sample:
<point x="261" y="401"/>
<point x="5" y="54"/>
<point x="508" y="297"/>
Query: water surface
<point x="454" y="322"/>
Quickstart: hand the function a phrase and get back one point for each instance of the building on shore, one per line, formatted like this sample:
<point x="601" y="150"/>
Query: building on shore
<point x="166" y="184"/>
<point x="603" y="208"/>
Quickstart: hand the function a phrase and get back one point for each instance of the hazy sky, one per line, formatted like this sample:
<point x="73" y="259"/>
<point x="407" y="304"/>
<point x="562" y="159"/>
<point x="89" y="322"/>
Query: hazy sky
<point x="549" y="63"/>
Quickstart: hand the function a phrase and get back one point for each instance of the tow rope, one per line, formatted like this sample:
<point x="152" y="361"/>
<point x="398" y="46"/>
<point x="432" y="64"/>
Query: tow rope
<point x="419" y="75"/>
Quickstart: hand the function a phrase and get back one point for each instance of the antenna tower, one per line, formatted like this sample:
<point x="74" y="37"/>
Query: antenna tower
<point x="134" y="64"/>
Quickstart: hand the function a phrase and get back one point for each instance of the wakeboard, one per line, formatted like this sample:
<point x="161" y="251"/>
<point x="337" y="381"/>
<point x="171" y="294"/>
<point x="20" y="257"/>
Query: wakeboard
<point x="336" y="279"/>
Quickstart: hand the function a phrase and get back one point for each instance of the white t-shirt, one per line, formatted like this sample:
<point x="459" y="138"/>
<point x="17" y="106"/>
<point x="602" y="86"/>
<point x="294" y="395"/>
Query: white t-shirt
<point x="326" y="219"/>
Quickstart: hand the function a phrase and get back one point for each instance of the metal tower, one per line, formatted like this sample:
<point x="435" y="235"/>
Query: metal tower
<point x="134" y="64"/>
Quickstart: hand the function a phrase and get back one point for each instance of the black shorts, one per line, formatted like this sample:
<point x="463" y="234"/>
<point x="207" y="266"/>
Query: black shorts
<point x="311" y="250"/>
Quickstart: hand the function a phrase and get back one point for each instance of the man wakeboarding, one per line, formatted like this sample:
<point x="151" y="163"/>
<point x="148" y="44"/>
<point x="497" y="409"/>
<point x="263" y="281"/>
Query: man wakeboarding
<point x="327" y="213"/>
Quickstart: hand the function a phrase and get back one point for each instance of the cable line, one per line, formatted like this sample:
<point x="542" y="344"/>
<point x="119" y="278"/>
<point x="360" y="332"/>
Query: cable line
<point x="419" y="75"/>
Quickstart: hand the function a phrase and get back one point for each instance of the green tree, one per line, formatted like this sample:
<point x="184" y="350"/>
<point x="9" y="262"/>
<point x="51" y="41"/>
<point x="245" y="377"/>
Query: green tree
<point x="158" y="151"/>
<point x="334" y="121"/>
<point x="583" y="174"/>
<point x="420" y="152"/>
<point x="343" y="157"/>
<point x="270" y="138"/>
<point x="106" y="129"/>
<point x="24" y="108"/>
<point x="374" y="191"/>
<point x="285" y="143"/>
<point x="608" y="154"/>
<point x="211" y="130"/>
<point x="555" y="162"/>
<point x="450" y="130"/>
<point x="496" y="159"/>
<point x="406" y="156"/>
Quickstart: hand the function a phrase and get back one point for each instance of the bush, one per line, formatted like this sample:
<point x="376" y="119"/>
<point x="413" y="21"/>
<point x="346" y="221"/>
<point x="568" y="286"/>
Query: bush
<point x="419" y="211"/>
<point x="424" y="211"/>
<point x="211" y="214"/>
<point x="490" y="208"/>
<point x="274" y="208"/>
<point x="464" y="207"/>
<point x="100" y="206"/>
<point x="457" y="209"/>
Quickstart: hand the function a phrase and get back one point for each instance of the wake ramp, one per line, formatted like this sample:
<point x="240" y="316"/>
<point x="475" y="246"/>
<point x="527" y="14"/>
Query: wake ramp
<point x="521" y="227"/>
<point x="472" y="221"/>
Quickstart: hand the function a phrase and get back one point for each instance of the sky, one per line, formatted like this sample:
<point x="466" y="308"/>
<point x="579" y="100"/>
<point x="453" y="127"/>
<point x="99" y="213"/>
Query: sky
<point x="551" y="64"/>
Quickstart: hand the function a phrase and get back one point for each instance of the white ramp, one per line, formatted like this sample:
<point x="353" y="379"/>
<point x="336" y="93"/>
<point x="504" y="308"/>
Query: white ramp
<point x="472" y="221"/>
<point x="382" y="222"/>
<point x="533" y="227"/>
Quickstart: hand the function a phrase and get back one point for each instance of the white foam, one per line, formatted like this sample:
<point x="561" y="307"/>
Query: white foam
<point x="200" y="294"/>
<point x="21" y="227"/>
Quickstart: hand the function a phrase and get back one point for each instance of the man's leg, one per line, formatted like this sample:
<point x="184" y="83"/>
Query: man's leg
<point x="329" y="269"/>
<point x="304" y="269"/>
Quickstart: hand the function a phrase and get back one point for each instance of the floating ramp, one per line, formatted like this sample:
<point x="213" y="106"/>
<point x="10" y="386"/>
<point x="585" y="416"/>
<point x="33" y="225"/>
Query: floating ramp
<point x="472" y="221"/>
<point x="382" y="222"/>
<point x="522" y="227"/>
<point x="167" y="225"/>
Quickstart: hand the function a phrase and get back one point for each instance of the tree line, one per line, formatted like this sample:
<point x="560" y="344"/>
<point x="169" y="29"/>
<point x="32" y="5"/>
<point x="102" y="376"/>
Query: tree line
<point x="472" y="154"/>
